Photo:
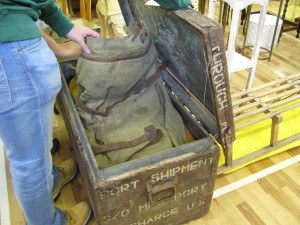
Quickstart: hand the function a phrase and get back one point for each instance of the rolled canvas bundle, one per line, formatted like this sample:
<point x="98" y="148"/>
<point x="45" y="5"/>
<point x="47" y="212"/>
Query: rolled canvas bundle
<point x="122" y="102"/>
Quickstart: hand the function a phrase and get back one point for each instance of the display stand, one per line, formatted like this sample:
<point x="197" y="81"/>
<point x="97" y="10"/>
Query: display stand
<point x="237" y="62"/>
<point x="274" y="39"/>
<point x="271" y="34"/>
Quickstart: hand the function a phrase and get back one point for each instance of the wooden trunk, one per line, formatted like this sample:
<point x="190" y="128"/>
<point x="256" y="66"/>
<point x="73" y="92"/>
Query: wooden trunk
<point x="174" y="186"/>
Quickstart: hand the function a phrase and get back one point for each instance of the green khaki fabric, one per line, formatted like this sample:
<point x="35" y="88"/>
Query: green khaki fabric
<point x="121" y="96"/>
<point x="174" y="4"/>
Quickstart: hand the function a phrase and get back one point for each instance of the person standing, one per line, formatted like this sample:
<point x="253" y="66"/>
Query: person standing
<point x="29" y="82"/>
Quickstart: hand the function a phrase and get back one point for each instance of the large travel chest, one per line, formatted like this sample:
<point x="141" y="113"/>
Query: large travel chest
<point x="174" y="186"/>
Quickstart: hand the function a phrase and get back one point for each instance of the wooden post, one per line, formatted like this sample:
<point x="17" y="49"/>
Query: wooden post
<point x="274" y="130"/>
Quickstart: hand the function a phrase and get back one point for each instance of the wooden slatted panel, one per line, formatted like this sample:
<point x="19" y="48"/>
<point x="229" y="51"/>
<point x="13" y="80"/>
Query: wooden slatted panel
<point x="266" y="101"/>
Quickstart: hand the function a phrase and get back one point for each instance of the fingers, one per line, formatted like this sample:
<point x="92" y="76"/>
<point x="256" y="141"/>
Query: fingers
<point x="78" y="34"/>
<point x="88" y="32"/>
<point x="92" y="33"/>
<point x="84" y="46"/>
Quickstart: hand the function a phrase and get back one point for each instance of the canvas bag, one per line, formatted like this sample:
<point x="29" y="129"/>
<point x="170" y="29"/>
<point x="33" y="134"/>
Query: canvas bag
<point x="123" y="104"/>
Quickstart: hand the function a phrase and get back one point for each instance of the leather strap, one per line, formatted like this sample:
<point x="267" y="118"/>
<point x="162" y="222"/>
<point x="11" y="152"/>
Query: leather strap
<point x="152" y="135"/>
<point x="136" y="34"/>
<point x="137" y="88"/>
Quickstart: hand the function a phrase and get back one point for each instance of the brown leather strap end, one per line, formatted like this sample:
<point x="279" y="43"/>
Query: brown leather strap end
<point x="152" y="135"/>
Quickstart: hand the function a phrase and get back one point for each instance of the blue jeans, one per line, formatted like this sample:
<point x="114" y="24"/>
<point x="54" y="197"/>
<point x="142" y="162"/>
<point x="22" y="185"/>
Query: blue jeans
<point x="29" y="82"/>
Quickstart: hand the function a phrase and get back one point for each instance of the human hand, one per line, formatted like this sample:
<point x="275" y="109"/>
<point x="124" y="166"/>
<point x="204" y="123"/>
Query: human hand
<point x="78" y="33"/>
